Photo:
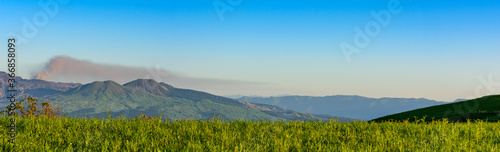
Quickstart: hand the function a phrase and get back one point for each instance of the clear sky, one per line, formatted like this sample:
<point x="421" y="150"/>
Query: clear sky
<point x="438" y="50"/>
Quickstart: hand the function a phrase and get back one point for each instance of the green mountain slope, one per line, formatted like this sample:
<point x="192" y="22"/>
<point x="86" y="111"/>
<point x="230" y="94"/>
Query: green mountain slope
<point x="101" y="89"/>
<point x="152" y="98"/>
<point x="485" y="108"/>
<point x="149" y="86"/>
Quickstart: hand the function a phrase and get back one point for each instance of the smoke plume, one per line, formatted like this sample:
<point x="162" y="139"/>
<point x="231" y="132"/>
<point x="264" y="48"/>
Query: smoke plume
<point x="68" y="69"/>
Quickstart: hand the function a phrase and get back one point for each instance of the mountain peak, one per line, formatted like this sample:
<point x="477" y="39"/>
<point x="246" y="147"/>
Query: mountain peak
<point x="149" y="86"/>
<point x="101" y="87"/>
<point x="145" y="80"/>
<point x="142" y="82"/>
<point x="101" y="84"/>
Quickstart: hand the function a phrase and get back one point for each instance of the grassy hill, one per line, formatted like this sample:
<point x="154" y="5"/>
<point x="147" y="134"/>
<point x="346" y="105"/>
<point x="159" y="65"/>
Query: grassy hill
<point x="485" y="108"/>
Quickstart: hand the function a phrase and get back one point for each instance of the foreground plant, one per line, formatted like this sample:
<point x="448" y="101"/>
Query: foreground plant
<point x="31" y="109"/>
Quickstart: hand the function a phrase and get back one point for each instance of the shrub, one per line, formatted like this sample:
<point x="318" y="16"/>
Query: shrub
<point x="144" y="117"/>
<point x="30" y="108"/>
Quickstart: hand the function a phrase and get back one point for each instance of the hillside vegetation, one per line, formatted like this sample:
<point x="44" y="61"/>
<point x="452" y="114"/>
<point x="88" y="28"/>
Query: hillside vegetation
<point x="43" y="129"/>
<point x="485" y="108"/>
<point x="146" y="96"/>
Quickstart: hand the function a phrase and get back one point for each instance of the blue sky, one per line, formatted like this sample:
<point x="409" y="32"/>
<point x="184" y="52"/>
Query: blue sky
<point x="436" y="50"/>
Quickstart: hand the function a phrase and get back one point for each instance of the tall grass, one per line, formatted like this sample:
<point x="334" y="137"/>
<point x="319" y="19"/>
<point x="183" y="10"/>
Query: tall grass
<point x="136" y="134"/>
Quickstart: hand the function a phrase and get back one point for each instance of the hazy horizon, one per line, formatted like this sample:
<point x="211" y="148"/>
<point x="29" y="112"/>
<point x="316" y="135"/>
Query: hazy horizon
<point x="229" y="95"/>
<point x="441" y="51"/>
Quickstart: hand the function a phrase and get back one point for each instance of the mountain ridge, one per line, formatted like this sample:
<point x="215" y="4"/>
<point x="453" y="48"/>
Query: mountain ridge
<point x="34" y="87"/>
<point x="149" y="86"/>
<point x="346" y="105"/>
<point x="146" y="96"/>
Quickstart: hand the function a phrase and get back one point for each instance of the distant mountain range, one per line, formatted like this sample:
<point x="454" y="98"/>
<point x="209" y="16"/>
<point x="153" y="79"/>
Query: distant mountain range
<point x="356" y="107"/>
<point x="33" y="87"/>
<point x="485" y="108"/>
<point x="148" y="97"/>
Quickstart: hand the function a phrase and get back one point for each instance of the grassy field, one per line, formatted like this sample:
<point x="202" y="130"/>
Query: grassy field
<point x="125" y="134"/>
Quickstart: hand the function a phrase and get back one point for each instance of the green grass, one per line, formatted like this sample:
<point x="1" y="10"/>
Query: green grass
<point x="124" y="134"/>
